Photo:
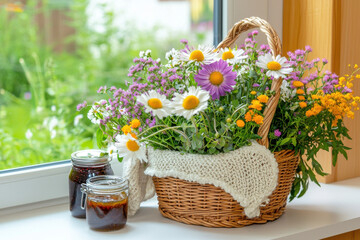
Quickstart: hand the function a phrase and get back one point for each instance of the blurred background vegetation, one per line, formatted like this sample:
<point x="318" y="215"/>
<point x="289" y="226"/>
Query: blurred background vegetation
<point x="51" y="60"/>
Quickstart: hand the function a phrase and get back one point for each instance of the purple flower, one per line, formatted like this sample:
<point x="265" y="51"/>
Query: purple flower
<point x="325" y="61"/>
<point x="277" y="133"/>
<point x="184" y="41"/>
<point x="81" y="106"/>
<point x="308" y="49"/>
<point x="217" y="78"/>
<point x="256" y="85"/>
<point x="299" y="132"/>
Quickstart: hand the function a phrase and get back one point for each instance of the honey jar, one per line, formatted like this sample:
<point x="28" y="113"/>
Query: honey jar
<point x="105" y="199"/>
<point x="85" y="164"/>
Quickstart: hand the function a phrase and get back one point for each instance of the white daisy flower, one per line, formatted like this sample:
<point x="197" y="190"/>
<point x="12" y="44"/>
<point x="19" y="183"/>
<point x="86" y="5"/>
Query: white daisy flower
<point x="129" y="148"/>
<point x="172" y="56"/>
<point x="203" y="54"/>
<point x="276" y="66"/>
<point x="191" y="102"/>
<point x="156" y="103"/>
<point x="98" y="111"/>
<point x="232" y="56"/>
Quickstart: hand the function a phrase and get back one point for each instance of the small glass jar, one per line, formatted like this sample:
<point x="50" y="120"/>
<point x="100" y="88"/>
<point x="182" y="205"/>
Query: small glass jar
<point x="85" y="164"/>
<point x="106" y="202"/>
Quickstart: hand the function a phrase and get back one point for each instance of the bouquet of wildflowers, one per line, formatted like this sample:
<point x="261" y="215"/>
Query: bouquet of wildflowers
<point x="207" y="101"/>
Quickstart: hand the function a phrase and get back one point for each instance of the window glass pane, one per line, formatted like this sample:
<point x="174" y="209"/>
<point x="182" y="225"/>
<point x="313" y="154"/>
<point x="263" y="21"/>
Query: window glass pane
<point x="56" y="53"/>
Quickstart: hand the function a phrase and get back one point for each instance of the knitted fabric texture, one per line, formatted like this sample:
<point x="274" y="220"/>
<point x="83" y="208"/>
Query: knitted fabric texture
<point x="141" y="186"/>
<point x="249" y="173"/>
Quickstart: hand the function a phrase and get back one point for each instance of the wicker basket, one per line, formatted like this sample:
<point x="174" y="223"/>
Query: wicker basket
<point x="210" y="206"/>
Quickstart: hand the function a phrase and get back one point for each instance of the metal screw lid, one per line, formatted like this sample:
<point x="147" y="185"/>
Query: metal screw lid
<point x="90" y="157"/>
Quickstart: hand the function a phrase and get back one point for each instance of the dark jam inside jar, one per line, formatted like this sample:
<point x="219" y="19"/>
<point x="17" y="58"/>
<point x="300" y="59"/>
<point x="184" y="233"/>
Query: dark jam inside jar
<point x="79" y="175"/>
<point x="106" y="213"/>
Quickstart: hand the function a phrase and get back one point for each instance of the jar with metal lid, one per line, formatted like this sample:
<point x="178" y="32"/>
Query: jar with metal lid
<point x="85" y="164"/>
<point x="105" y="199"/>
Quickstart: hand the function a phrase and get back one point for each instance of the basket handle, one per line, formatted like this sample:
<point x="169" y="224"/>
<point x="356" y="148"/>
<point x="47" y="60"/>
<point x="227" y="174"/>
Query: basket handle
<point x="275" y="46"/>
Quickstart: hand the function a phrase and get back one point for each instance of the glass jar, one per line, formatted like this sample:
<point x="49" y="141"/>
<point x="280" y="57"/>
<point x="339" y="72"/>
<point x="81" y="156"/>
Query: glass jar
<point x="106" y="202"/>
<point x="85" y="164"/>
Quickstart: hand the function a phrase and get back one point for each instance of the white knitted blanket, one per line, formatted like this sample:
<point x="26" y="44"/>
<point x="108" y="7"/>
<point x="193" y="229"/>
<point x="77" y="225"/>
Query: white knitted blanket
<point x="248" y="174"/>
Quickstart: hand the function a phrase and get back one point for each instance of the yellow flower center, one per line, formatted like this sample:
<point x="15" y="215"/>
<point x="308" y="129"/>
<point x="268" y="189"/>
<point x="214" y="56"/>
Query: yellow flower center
<point x="227" y="55"/>
<point x="132" y="145"/>
<point x="155" y="103"/>
<point x="216" y="78"/>
<point x="190" y="102"/>
<point x="274" y="66"/>
<point x="197" y="55"/>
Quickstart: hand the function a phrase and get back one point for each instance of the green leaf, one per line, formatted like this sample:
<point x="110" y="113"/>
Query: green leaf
<point x="99" y="138"/>
<point x="284" y="141"/>
<point x="294" y="141"/>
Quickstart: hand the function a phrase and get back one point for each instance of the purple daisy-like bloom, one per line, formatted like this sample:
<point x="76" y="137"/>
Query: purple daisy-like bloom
<point x="217" y="78"/>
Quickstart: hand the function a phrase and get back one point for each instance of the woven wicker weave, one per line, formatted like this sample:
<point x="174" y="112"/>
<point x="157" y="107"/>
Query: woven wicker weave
<point x="210" y="206"/>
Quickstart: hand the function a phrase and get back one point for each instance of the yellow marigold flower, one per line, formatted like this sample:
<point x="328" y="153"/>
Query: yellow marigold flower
<point x="297" y="84"/>
<point x="126" y="129"/>
<point x="263" y="98"/>
<point x="357" y="75"/>
<point x="317" y="109"/>
<point x="135" y="123"/>
<point x="350" y="114"/>
<point x="300" y="91"/>
<point x="341" y="80"/>
<point x="248" y="116"/>
<point x="315" y="97"/>
<point x="240" y="123"/>
<point x="255" y="104"/>
<point x="302" y="98"/>
<point x="258" y="119"/>
<point x="303" y="104"/>
<point x="253" y="92"/>
<point x="349" y="85"/>
<point x="309" y="113"/>
<point x="356" y="66"/>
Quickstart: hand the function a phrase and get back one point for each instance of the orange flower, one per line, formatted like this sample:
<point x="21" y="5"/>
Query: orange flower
<point x="240" y="123"/>
<point x="302" y="98"/>
<point x="255" y="104"/>
<point x="133" y="135"/>
<point x="303" y="104"/>
<point x="300" y="91"/>
<point x="263" y="98"/>
<point x="309" y="113"/>
<point x="248" y="116"/>
<point x="126" y="129"/>
<point x="258" y="119"/>
<point x="297" y="84"/>
<point x="253" y="92"/>
<point x="135" y="123"/>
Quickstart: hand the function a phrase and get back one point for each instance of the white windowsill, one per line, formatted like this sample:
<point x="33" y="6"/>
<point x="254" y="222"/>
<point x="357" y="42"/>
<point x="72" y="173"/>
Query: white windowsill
<point x="327" y="211"/>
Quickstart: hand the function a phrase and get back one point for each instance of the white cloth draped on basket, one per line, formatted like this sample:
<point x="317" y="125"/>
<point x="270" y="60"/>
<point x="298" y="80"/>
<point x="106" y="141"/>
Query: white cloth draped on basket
<point x="249" y="174"/>
<point x="141" y="186"/>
